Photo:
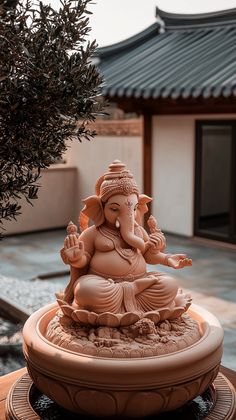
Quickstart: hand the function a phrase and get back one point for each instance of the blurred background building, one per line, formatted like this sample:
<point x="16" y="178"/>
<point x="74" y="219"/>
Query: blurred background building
<point x="172" y="89"/>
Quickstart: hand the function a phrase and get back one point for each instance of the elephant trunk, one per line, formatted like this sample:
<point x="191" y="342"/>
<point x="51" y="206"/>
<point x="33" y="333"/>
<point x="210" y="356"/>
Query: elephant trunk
<point x="127" y="232"/>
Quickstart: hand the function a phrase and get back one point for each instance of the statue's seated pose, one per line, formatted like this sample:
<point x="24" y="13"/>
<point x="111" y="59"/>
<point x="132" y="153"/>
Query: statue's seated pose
<point x="108" y="260"/>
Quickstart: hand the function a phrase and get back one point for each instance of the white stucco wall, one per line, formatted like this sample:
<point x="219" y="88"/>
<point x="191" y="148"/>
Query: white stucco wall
<point x="173" y="173"/>
<point x="63" y="186"/>
<point x="93" y="158"/>
<point x="173" y="166"/>
<point x="173" y="170"/>
<point x="55" y="206"/>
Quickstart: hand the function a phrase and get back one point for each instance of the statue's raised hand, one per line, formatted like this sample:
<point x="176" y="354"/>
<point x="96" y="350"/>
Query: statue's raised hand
<point x="73" y="248"/>
<point x="157" y="239"/>
<point x="178" y="261"/>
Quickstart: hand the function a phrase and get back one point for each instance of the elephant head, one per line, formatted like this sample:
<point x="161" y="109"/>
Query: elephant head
<point x="120" y="211"/>
<point x="117" y="204"/>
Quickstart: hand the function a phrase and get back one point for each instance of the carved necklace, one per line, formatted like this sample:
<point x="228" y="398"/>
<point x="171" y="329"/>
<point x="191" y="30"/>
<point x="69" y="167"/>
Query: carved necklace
<point x="113" y="235"/>
<point x="110" y="231"/>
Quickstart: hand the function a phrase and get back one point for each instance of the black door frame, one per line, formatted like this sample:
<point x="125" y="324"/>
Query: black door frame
<point x="231" y="238"/>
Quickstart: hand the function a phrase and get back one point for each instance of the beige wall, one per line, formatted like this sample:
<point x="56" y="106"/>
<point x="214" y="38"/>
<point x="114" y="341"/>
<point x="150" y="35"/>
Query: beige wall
<point x="92" y="159"/>
<point x="173" y="163"/>
<point x="173" y="178"/>
<point x="173" y="166"/>
<point x="55" y="206"/>
<point x="64" y="186"/>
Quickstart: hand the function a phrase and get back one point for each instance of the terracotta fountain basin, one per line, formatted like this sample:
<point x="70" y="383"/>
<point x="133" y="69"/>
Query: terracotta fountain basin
<point x="134" y="387"/>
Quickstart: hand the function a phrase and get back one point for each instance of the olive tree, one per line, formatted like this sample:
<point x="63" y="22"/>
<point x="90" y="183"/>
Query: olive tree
<point x="49" y="91"/>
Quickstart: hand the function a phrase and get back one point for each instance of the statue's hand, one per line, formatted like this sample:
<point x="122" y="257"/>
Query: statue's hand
<point x="74" y="248"/>
<point x="178" y="261"/>
<point x="157" y="241"/>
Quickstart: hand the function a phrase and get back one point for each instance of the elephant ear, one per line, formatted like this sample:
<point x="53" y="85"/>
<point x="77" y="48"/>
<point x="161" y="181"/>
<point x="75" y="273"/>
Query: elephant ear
<point x="142" y="207"/>
<point x="93" y="209"/>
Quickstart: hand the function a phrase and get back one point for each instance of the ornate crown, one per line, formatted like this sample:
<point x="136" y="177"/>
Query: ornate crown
<point x="118" y="180"/>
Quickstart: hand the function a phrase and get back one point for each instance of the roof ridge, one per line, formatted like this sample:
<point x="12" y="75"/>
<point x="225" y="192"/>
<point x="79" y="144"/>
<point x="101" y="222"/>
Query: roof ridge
<point x="172" y="21"/>
<point x="196" y="20"/>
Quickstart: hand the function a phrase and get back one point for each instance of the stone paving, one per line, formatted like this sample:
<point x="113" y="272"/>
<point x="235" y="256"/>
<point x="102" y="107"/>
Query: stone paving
<point x="211" y="279"/>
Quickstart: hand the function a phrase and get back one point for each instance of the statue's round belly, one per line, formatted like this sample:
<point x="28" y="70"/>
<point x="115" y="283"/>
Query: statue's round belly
<point x="112" y="264"/>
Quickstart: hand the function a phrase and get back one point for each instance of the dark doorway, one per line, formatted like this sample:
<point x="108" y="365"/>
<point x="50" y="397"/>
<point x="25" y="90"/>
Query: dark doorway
<point x="215" y="180"/>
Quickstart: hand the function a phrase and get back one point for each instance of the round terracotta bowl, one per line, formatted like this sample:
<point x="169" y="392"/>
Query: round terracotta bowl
<point x="137" y="387"/>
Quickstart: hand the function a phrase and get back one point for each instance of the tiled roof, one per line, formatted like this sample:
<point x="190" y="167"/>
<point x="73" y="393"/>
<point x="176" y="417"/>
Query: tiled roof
<point x="178" y="56"/>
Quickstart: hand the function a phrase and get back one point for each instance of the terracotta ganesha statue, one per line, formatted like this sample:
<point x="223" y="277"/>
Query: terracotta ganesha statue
<point x="121" y="343"/>
<point x="109" y="282"/>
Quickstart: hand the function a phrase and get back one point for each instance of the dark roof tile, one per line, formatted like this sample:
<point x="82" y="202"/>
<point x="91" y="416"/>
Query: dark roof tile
<point x="195" y="56"/>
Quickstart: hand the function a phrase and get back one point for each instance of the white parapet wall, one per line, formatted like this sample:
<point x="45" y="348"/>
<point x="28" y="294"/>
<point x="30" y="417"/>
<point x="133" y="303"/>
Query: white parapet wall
<point x="55" y="206"/>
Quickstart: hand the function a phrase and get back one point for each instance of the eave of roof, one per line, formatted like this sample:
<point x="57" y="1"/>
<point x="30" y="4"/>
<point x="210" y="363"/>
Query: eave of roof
<point x="178" y="56"/>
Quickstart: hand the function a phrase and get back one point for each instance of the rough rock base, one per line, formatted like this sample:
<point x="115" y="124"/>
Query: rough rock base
<point x="142" y="339"/>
